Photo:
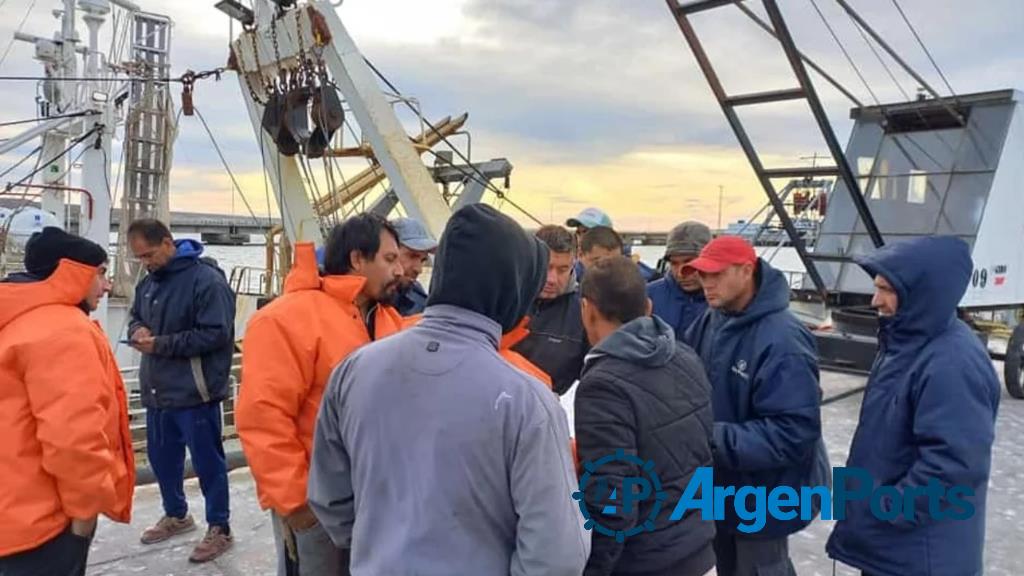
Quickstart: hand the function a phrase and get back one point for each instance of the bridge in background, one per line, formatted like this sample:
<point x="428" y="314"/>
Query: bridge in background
<point x="233" y="229"/>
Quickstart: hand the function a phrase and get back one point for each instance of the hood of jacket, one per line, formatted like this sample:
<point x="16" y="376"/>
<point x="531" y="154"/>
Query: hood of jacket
<point x="69" y="284"/>
<point x="488" y="264"/>
<point x="930" y="276"/>
<point x="305" y="275"/>
<point x="647" y="341"/>
<point x="187" y="254"/>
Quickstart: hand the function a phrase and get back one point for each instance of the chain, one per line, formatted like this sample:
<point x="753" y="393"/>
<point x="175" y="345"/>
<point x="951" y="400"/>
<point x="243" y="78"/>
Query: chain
<point x="259" y="71"/>
<point x="282" y="76"/>
<point x="303" y="65"/>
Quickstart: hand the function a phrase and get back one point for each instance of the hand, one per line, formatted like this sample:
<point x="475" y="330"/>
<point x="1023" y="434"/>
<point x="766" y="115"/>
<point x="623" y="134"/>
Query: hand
<point x="83" y="528"/>
<point x="145" y="345"/>
<point x="301" y="519"/>
<point x="140" y="333"/>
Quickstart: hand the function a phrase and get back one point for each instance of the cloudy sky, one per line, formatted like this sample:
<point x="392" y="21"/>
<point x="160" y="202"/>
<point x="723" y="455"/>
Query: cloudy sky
<point x="595" y="102"/>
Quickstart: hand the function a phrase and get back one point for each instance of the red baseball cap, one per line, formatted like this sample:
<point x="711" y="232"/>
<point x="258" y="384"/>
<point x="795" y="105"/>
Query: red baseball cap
<point x="723" y="252"/>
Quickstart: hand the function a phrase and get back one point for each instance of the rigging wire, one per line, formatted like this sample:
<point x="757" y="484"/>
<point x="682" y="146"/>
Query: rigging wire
<point x="42" y="165"/>
<point x="927" y="52"/>
<point x="227" y="168"/>
<point x="845" y="52"/>
<point x="21" y="25"/>
<point x="46" y="118"/>
<point x="266" y="180"/>
<point x="878" y="56"/>
<point x="22" y="161"/>
<point x="186" y="77"/>
<point x="479" y="176"/>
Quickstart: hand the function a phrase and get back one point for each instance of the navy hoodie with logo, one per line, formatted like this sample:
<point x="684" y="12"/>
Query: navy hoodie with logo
<point x="929" y="411"/>
<point x="190" y="309"/>
<point x="763" y="367"/>
<point x="677" y="307"/>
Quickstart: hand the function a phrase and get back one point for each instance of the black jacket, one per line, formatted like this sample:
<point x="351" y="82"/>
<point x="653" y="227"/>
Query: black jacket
<point x="190" y="309"/>
<point x="557" y="342"/>
<point x="647" y="395"/>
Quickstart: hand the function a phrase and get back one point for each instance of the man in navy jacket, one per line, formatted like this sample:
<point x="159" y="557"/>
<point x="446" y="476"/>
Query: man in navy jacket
<point x="763" y="368"/>
<point x="678" y="297"/>
<point x="928" y="415"/>
<point x="183" y="321"/>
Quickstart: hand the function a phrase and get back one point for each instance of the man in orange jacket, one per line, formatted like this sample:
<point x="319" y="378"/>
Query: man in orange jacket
<point x="65" y="449"/>
<point x="290" y="348"/>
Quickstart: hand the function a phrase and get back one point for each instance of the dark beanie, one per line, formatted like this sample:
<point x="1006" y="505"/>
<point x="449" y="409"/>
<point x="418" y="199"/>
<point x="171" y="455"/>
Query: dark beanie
<point x="45" y="249"/>
<point x="486" y="263"/>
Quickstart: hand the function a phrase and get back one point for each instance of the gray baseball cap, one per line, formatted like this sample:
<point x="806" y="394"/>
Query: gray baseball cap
<point x="413" y="235"/>
<point x="687" y="239"/>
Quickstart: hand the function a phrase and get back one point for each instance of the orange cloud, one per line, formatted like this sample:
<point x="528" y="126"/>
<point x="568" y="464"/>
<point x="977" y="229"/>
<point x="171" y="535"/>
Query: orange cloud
<point x="645" y="190"/>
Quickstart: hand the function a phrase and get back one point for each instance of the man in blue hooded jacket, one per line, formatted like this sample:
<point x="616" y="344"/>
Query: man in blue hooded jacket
<point x="928" y="415"/>
<point x="763" y="368"/>
<point x="678" y="297"/>
<point x="183" y="320"/>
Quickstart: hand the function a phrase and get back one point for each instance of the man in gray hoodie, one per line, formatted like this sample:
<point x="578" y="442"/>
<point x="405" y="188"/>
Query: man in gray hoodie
<point x="432" y="454"/>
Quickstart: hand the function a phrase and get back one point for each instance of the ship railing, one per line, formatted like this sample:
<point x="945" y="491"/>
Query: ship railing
<point x="252" y="281"/>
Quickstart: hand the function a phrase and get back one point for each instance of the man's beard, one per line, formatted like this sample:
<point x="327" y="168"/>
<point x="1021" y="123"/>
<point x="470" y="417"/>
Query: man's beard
<point x="389" y="291"/>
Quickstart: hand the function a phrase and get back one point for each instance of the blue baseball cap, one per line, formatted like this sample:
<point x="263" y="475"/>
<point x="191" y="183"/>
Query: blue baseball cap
<point x="590" y="218"/>
<point x="413" y="235"/>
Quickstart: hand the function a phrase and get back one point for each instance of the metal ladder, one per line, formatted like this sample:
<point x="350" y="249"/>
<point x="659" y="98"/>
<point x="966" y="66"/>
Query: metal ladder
<point x="148" y="139"/>
<point x="804" y="91"/>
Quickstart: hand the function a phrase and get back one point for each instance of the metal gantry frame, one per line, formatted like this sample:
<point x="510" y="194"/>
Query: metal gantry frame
<point x="392" y="147"/>
<point x="804" y="91"/>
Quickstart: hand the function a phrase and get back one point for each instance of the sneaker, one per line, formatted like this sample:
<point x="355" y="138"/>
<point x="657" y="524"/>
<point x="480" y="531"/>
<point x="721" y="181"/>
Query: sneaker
<point x="167" y="527"/>
<point x="215" y="543"/>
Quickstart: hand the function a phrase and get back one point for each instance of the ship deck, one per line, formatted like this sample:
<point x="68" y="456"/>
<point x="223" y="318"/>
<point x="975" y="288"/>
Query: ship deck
<point x="117" y="551"/>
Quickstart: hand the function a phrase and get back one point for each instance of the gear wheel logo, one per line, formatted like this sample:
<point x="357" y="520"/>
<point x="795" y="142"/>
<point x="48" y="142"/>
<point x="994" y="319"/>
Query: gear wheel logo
<point x="649" y="489"/>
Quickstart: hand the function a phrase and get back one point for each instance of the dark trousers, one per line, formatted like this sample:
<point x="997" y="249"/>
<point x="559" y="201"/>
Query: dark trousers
<point x="740" y="555"/>
<point x="168" y="432"/>
<point x="64" y="555"/>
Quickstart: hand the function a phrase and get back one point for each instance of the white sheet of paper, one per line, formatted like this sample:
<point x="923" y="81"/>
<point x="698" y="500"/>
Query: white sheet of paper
<point x="568" y="401"/>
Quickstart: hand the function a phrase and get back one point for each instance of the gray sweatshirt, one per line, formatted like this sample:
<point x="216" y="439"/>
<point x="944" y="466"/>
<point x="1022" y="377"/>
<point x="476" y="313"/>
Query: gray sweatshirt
<point x="434" y="456"/>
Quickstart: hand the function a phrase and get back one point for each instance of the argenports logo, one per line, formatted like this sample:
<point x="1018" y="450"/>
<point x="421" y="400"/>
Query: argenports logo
<point x="635" y="489"/>
<point x="754" y="505"/>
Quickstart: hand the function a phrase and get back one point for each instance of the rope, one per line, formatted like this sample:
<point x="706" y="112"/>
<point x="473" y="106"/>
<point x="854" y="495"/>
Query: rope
<point x="845" y="52"/>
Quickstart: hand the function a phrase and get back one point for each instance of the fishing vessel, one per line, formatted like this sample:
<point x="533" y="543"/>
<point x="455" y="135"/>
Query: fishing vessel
<point x="318" y="108"/>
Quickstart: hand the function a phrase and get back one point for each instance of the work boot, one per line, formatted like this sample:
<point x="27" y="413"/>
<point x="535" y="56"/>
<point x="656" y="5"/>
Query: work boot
<point x="167" y="527"/>
<point x="216" y="542"/>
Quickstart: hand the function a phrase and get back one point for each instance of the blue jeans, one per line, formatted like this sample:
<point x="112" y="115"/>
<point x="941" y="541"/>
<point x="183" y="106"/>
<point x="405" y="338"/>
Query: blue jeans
<point x="168" y="432"/>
